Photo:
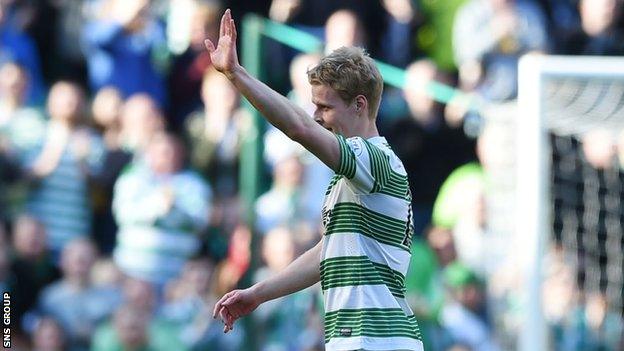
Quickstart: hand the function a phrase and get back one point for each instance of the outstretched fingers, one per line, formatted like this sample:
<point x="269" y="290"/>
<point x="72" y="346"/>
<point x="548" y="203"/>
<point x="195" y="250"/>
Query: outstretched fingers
<point x="234" y="34"/>
<point x="223" y="25"/>
<point x="219" y="305"/>
<point x="227" y="318"/>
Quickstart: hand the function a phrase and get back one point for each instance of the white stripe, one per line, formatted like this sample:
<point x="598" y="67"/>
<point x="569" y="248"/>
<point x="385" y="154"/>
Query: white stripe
<point x="67" y="169"/>
<point x="151" y="267"/>
<point x="360" y="296"/>
<point x="385" y="204"/>
<point x="148" y="261"/>
<point x="61" y="209"/>
<point x="57" y="239"/>
<point x="54" y="194"/>
<point x="374" y="344"/>
<point x="142" y="238"/>
<point x="354" y="244"/>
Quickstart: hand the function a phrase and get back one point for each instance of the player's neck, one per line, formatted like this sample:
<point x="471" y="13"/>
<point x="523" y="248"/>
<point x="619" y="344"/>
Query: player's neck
<point x="369" y="132"/>
<point x="365" y="130"/>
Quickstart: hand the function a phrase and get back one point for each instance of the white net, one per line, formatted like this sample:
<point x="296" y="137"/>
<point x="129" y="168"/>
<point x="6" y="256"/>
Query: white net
<point x="571" y="202"/>
<point x="587" y="180"/>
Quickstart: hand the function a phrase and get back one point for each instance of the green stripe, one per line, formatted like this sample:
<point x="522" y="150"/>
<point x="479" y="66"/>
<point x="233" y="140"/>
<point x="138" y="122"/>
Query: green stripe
<point x="397" y="186"/>
<point x="333" y="182"/>
<point x="347" y="159"/>
<point x="380" y="166"/>
<point x="359" y="270"/>
<point x="347" y="217"/>
<point x="372" y="322"/>
<point x="387" y="181"/>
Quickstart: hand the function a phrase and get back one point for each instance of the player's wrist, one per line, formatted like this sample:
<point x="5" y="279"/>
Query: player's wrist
<point x="259" y="292"/>
<point x="235" y="71"/>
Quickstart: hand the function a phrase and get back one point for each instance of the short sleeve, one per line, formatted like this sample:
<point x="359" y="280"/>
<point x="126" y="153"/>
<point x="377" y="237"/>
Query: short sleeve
<point x="364" y="165"/>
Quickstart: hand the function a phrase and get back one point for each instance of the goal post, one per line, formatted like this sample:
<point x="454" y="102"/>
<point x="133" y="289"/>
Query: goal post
<point x="567" y="96"/>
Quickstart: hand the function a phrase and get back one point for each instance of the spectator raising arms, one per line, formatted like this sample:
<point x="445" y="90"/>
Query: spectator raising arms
<point x="160" y="208"/>
<point x="69" y="154"/>
<point x="121" y="46"/>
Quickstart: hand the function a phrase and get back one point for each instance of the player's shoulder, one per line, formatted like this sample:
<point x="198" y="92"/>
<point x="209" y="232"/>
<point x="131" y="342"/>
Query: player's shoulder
<point x="381" y="145"/>
<point x="357" y="144"/>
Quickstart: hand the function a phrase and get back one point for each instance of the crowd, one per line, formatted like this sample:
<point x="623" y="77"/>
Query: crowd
<point x="120" y="216"/>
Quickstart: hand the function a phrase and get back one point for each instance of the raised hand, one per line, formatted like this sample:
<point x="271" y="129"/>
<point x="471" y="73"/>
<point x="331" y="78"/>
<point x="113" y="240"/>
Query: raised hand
<point x="224" y="57"/>
<point x="233" y="305"/>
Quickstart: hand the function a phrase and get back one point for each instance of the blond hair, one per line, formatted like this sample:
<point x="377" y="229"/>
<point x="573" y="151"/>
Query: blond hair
<point x="350" y="72"/>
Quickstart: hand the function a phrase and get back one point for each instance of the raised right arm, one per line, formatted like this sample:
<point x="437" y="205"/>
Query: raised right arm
<point x="277" y="109"/>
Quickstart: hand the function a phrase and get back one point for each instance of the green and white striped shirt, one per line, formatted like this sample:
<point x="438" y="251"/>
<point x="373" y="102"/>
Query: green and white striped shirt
<point x="366" y="251"/>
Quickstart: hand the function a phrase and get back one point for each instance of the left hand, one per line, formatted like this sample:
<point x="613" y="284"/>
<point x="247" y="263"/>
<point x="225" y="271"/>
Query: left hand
<point x="224" y="57"/>
<point x="235" y="304"/>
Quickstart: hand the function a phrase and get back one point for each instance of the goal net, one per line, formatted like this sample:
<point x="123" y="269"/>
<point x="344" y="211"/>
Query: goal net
<point x="569" y="208"/>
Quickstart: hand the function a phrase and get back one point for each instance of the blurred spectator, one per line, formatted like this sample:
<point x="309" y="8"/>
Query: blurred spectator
<point x="559" y="293"/>
<point x="425" y="289"/>
<point x="186" y="40"/>
<point x="189" y="305"/>
<point x="461" y="316"/>
<point x="441" y="242"/>
<point x="562" y="16"/>
<point x="21" y="129"/>
<point x="31" y="264"/>
<point x="599" y="148"/>
<point x="69" y="154"/>
<point x="74" y="301"/>
<point x="160" y="208"/>
<point x="122" y="48"/>
<point x="214" y="134"/>
<point x="455" y="196"/>
<point x="461" y="206"/>
<point x="592" y="326"/>
<point x="434" y="34"/>
<point x="17" y="46"/>
<point x="140" y="294"/>
<point x="21" y="124"/>
<point x="301" y="92"/>
<point x="599" y="32"/>
<point x="285" y="321"/>
<point x="460" y="347"/>
<point x="311" y="15"/>
<point x="106" y="111"/>
<point x="424" y="142"/>
<point x="49" y="336"/>
<point x="344" y="28"/>
<point x="283" y="204"/>
<point x="135" y="329"/>
<point x="235" y="266"/>
<point x="105" y="274"/>
<point x="140" y="120"/>
<point x="398" y="44"/>
<point x="488" y="38"/>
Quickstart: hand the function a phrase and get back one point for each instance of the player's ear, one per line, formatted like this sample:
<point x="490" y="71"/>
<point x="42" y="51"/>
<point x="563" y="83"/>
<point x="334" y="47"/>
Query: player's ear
<point x="361" y="104"/>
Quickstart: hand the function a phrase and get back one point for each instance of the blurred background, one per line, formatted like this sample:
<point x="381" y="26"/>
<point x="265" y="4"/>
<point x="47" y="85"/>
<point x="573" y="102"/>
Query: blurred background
<point x="136" y="187"/>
